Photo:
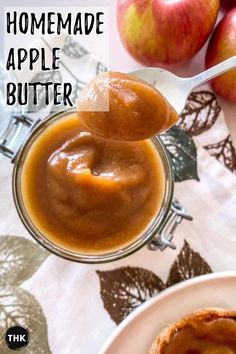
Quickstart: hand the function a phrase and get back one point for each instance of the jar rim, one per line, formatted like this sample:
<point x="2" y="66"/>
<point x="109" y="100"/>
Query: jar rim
<point x="113" y="255"/>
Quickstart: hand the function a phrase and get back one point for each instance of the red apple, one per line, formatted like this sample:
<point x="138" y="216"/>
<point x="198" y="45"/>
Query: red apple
<point x="157" y="32"/>
<point x="222" y="46"/>
<point x="228" y="3"/>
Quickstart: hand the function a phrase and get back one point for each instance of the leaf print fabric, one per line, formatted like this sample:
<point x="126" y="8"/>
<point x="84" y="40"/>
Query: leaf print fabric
<point x="73" y="49"/>
<point x="183" y="154"/>
<point x="17" y="306"/>
<point x="200" y="113"/>
<point x="100" y="68"/>
<point x="20" y="258"/>
<point x="224" y="151"/>
<point x="188" y="264"/>
<point x="124" y="289"/>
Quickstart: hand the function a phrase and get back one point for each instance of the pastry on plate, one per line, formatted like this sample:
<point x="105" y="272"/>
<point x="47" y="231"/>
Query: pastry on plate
<point x="206" y="331"/>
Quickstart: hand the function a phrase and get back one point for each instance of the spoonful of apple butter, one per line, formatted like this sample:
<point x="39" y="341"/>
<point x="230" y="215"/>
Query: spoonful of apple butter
<point x="123" y="107"/>
<point x="141" y="104"/>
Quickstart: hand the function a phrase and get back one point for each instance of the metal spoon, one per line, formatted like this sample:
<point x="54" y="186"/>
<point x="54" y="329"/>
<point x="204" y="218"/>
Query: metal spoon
<point x="177" y="89"/>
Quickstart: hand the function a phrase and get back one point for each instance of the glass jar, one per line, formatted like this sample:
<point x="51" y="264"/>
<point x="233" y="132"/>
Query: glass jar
<point x="158" y="235"/>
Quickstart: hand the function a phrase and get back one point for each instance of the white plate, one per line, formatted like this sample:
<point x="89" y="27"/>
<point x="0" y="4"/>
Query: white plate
<point x="136" y="333"/>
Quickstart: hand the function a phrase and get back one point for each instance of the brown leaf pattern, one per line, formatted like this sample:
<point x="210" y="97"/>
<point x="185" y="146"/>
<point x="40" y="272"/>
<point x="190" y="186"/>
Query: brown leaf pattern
<point x="188" y="264"/>
<point x="124" y="289"/>
<point x="224" y="152"/>
<point x="200" y="113"/>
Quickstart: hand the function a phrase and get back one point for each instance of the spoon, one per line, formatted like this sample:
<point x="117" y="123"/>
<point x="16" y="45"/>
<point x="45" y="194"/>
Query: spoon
<point x="177" y="89"/>
<point x="141" y="104"/>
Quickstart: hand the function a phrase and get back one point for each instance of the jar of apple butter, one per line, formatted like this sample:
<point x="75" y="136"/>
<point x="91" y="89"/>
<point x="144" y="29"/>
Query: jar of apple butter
<point x="90" y="199"/>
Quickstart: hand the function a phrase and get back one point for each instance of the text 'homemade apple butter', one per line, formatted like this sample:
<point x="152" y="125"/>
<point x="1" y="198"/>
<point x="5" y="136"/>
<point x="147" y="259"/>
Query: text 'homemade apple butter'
<point x="91" y="194"/>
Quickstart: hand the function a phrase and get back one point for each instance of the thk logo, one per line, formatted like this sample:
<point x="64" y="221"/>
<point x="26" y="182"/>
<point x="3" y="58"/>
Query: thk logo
<point x="17" y="337"/>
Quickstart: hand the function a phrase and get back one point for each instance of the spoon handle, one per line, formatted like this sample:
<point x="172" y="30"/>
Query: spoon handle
<point x="216" y="70"/>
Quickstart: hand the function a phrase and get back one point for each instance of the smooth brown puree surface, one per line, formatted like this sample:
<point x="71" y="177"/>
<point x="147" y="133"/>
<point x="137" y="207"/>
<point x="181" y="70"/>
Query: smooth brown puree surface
<point x="214" y="337"/>
<point x="90" y="194"/>
<point x="136" y="109"/>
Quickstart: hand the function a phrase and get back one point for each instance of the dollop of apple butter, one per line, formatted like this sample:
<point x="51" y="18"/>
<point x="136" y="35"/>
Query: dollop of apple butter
<point x="213" y="337"/>
<point x="90" y="194"/>
<point x="135" y="109"/>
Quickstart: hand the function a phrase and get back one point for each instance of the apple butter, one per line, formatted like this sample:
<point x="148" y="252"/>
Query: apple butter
<point x="210" y="337"/>
<point x="89" y="194"/>
<point x="136" y="110"/>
